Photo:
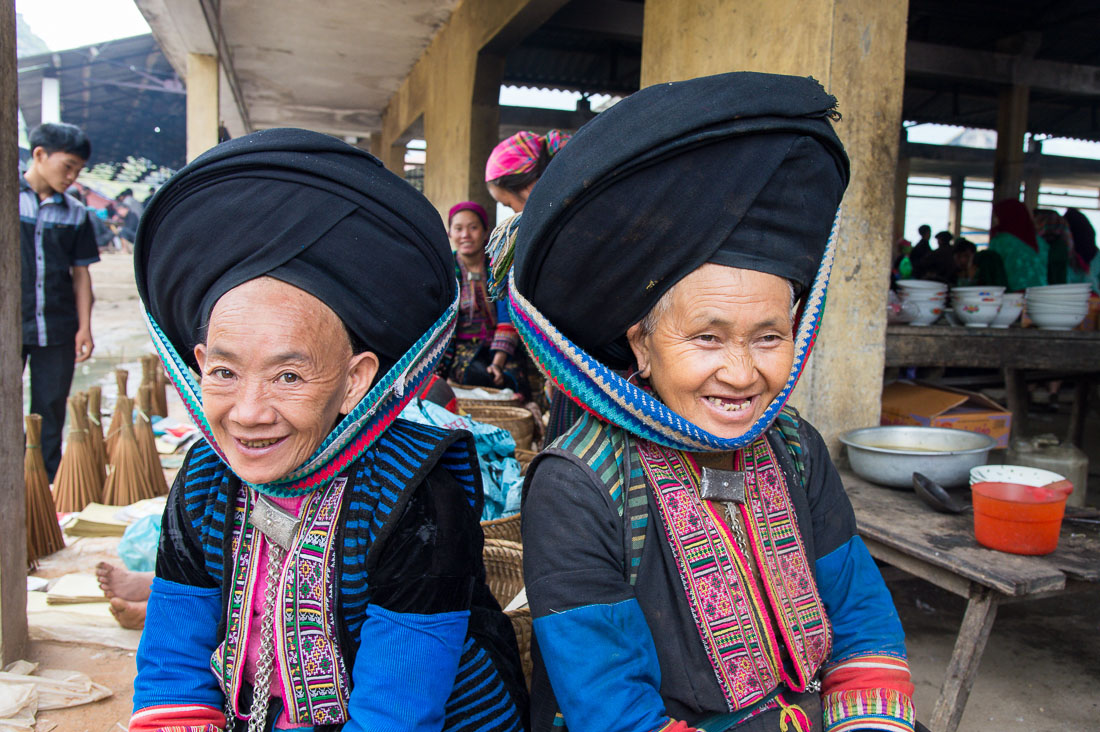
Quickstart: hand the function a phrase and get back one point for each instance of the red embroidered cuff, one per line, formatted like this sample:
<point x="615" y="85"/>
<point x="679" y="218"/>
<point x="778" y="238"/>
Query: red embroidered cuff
<point x="886" y="710"/>
<point x="178" y="718"/>
<point x="505" y="338"/>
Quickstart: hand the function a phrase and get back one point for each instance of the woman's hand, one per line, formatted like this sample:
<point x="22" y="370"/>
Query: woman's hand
<point x="497" y="373"/>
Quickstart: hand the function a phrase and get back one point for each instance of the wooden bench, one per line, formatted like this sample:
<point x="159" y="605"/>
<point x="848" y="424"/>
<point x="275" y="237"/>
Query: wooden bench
<point x="939" y="548"/>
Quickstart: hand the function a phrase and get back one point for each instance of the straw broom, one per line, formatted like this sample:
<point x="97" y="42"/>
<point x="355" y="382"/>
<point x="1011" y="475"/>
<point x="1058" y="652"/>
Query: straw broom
<point x="112" y="431"/>
<point x="76" y="484"/>
<point x="128" y="477"/>
<point x="160" y="392"/>
<point x="86" y="426"/>
<point x="95" y="429"/>
<point x="43" y="533"/>
<point x="147" y="441"/>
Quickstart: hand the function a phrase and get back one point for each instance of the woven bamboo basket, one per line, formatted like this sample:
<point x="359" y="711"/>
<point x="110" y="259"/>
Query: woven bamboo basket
<point x="519" y="422"/>
<point x="506" y="528"/>
<point x="503" y="569"/>
<point x="524" y="458"/>
<point x="522" y="626"/>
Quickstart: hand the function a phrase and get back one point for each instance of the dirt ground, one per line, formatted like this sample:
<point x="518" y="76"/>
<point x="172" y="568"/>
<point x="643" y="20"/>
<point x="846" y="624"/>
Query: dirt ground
<point x="1040" y="672"/>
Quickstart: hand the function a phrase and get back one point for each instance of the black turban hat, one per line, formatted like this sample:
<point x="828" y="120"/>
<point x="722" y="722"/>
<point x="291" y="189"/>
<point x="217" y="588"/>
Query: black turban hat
<point x="306" y="209"/>
<point x="741" y="169"/>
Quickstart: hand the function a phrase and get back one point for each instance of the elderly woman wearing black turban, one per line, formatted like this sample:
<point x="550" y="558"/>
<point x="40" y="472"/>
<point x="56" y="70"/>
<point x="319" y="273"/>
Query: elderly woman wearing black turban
<point x="320" y="560"/>
<point x="690" y="555"/>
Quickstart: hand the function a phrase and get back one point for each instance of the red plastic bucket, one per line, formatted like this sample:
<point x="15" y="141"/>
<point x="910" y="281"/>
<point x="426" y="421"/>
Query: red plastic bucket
<point x="1020" y="519"/>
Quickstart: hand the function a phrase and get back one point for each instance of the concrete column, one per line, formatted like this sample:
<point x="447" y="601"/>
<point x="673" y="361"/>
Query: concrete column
<point x="1033" y="174"/>
<point x="51" y="99"/>
<point x="392" y="156"/>
<point x="856" y="49"/>
<point x="1008" y="161"/>
<point x="901" y="196"/>
<point x="13" y="510"/>
<point x="955" y="207"/>
<point x="484" y="127"/>
<point x="202" y="103"/>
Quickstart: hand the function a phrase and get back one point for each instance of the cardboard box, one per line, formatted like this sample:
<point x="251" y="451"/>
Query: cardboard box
<point x="905" y="402"/>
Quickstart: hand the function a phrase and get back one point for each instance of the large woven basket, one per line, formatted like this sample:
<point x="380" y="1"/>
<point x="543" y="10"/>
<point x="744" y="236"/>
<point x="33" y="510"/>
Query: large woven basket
<point x="503" y="569"/>
<point x="506" y="528"/>
<point x="517" y="420"/>
<point x="522" y="625"/>
<point x="524" y="457"/>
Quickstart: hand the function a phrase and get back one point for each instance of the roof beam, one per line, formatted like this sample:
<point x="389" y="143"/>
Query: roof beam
<point x="1001" y="68"/>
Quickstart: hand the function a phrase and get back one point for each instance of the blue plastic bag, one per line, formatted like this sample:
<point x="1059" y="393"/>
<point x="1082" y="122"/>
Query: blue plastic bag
<point x="138" y="547"/>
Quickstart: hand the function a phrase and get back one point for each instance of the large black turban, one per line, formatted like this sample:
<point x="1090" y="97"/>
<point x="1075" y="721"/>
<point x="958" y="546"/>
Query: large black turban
<point x="306" y="209"/>
<point x="740" y="169"/>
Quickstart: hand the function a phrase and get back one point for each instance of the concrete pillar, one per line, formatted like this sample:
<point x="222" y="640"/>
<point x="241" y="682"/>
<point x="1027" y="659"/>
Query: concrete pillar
<point x="13" y="510"/>
<point x="856" y="49"/>
<point x="202" y="103"/>
<point x="392" y="156"/>
<point x="901" y="196"/>
<point x="1008" y="161"/>
<point x="955" y="207"/>
<point x="1033" y="174"/>
<point x="51" y="99"/>
<point x="484" y="127"/>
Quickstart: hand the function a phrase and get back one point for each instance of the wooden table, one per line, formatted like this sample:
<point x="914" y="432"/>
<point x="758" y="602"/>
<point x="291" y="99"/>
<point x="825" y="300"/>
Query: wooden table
<point x="1013" y="350"/>
<point x="902" y="531"/>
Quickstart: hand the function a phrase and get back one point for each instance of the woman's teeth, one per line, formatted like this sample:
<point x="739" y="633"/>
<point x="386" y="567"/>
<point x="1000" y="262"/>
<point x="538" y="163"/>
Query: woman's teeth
<point x="730" y="405"/>
<point x="257" y="444"/>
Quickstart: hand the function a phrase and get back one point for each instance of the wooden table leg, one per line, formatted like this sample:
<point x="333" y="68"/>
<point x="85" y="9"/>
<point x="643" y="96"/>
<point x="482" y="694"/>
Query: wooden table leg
<point x="1081" y="390"/>
<point x="981" y="610"/>
<point x="1016" y="398"/>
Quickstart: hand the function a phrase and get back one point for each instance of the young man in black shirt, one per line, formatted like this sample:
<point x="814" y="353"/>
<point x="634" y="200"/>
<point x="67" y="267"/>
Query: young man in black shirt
<point x="57" y="243"/>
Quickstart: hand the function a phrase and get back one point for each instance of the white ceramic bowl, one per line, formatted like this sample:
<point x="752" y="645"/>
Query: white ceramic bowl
<point x="928" y="310"/>
<point x="978" y="290"/>
<point x="921" y="285"/>
<point x="1009" y="312"/>
<point x="1013" y="474"/>
<point x="1055" y="321"/>
<point x="1038" y="307"/>
<point x="976" y="312"/>
<point x="1049" y="289"/>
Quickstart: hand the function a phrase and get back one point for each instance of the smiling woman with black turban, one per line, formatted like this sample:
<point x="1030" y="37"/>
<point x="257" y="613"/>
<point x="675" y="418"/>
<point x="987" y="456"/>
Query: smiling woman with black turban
<point x="320" y="560"/>
<point x="690" y="555"/>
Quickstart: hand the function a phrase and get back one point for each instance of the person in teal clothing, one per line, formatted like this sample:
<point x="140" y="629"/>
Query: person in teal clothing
<point x="1024" y="253"/>
<point x="1084" y="246"/>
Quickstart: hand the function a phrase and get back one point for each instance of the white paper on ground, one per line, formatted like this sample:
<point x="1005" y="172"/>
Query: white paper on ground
<point x="24" y="691"/>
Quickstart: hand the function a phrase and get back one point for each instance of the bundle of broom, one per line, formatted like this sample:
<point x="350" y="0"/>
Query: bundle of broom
<point x="152" y="375"/>
<point x="77" y="482"/>
<point x="43" y="533"/>
<point x="95" y="429"/>
<point x="147" y="441"/>
<point x="128" y="476"/>
<point x="112" y="432"/>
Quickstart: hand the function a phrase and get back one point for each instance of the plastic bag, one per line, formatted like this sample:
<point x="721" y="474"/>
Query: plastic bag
<point x="138" y="547"/>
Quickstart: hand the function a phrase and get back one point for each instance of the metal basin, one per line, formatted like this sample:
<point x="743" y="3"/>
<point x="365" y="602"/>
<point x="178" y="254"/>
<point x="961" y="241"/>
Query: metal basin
<point x="890" y="455"/>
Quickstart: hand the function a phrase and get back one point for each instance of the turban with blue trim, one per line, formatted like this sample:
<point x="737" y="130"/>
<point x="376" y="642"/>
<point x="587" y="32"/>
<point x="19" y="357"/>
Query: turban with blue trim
<point x="304" y="208"/>
<point x="741" y="169"/>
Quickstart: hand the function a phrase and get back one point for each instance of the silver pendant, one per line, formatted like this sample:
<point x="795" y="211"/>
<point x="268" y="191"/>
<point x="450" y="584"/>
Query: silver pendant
<point x="277" y="524"/>
<point x="727" y="486"/>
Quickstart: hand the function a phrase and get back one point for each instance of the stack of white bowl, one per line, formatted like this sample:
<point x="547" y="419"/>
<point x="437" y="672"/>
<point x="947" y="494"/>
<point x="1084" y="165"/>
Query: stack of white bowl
<point x="1012" y="304"/>
<point x="1058" y="307"/>
<point x="926" y="296"/>
<point x="977" y="306"/>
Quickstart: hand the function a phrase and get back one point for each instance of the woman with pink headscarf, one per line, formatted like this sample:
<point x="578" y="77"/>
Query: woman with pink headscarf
<point x="516" y="164"/>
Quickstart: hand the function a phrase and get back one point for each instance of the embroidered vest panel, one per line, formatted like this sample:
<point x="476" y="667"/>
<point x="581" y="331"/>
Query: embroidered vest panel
<point x="736" y="619"/>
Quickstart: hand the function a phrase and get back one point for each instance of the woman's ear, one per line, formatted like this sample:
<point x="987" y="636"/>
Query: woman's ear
<point x="200" y="356"/>
<point x="639" y="344"/>
<point x="361" y="372"/>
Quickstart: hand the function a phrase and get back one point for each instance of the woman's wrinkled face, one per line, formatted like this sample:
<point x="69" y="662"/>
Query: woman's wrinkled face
<point x="277" y="371"/>
<point x="467" y="234"/>
<point x="722" y="348"/>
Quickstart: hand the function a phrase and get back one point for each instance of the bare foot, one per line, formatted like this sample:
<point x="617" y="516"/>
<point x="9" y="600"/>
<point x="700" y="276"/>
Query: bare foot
<point x="128" y="614"/>
<point x="119" y="582"/>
